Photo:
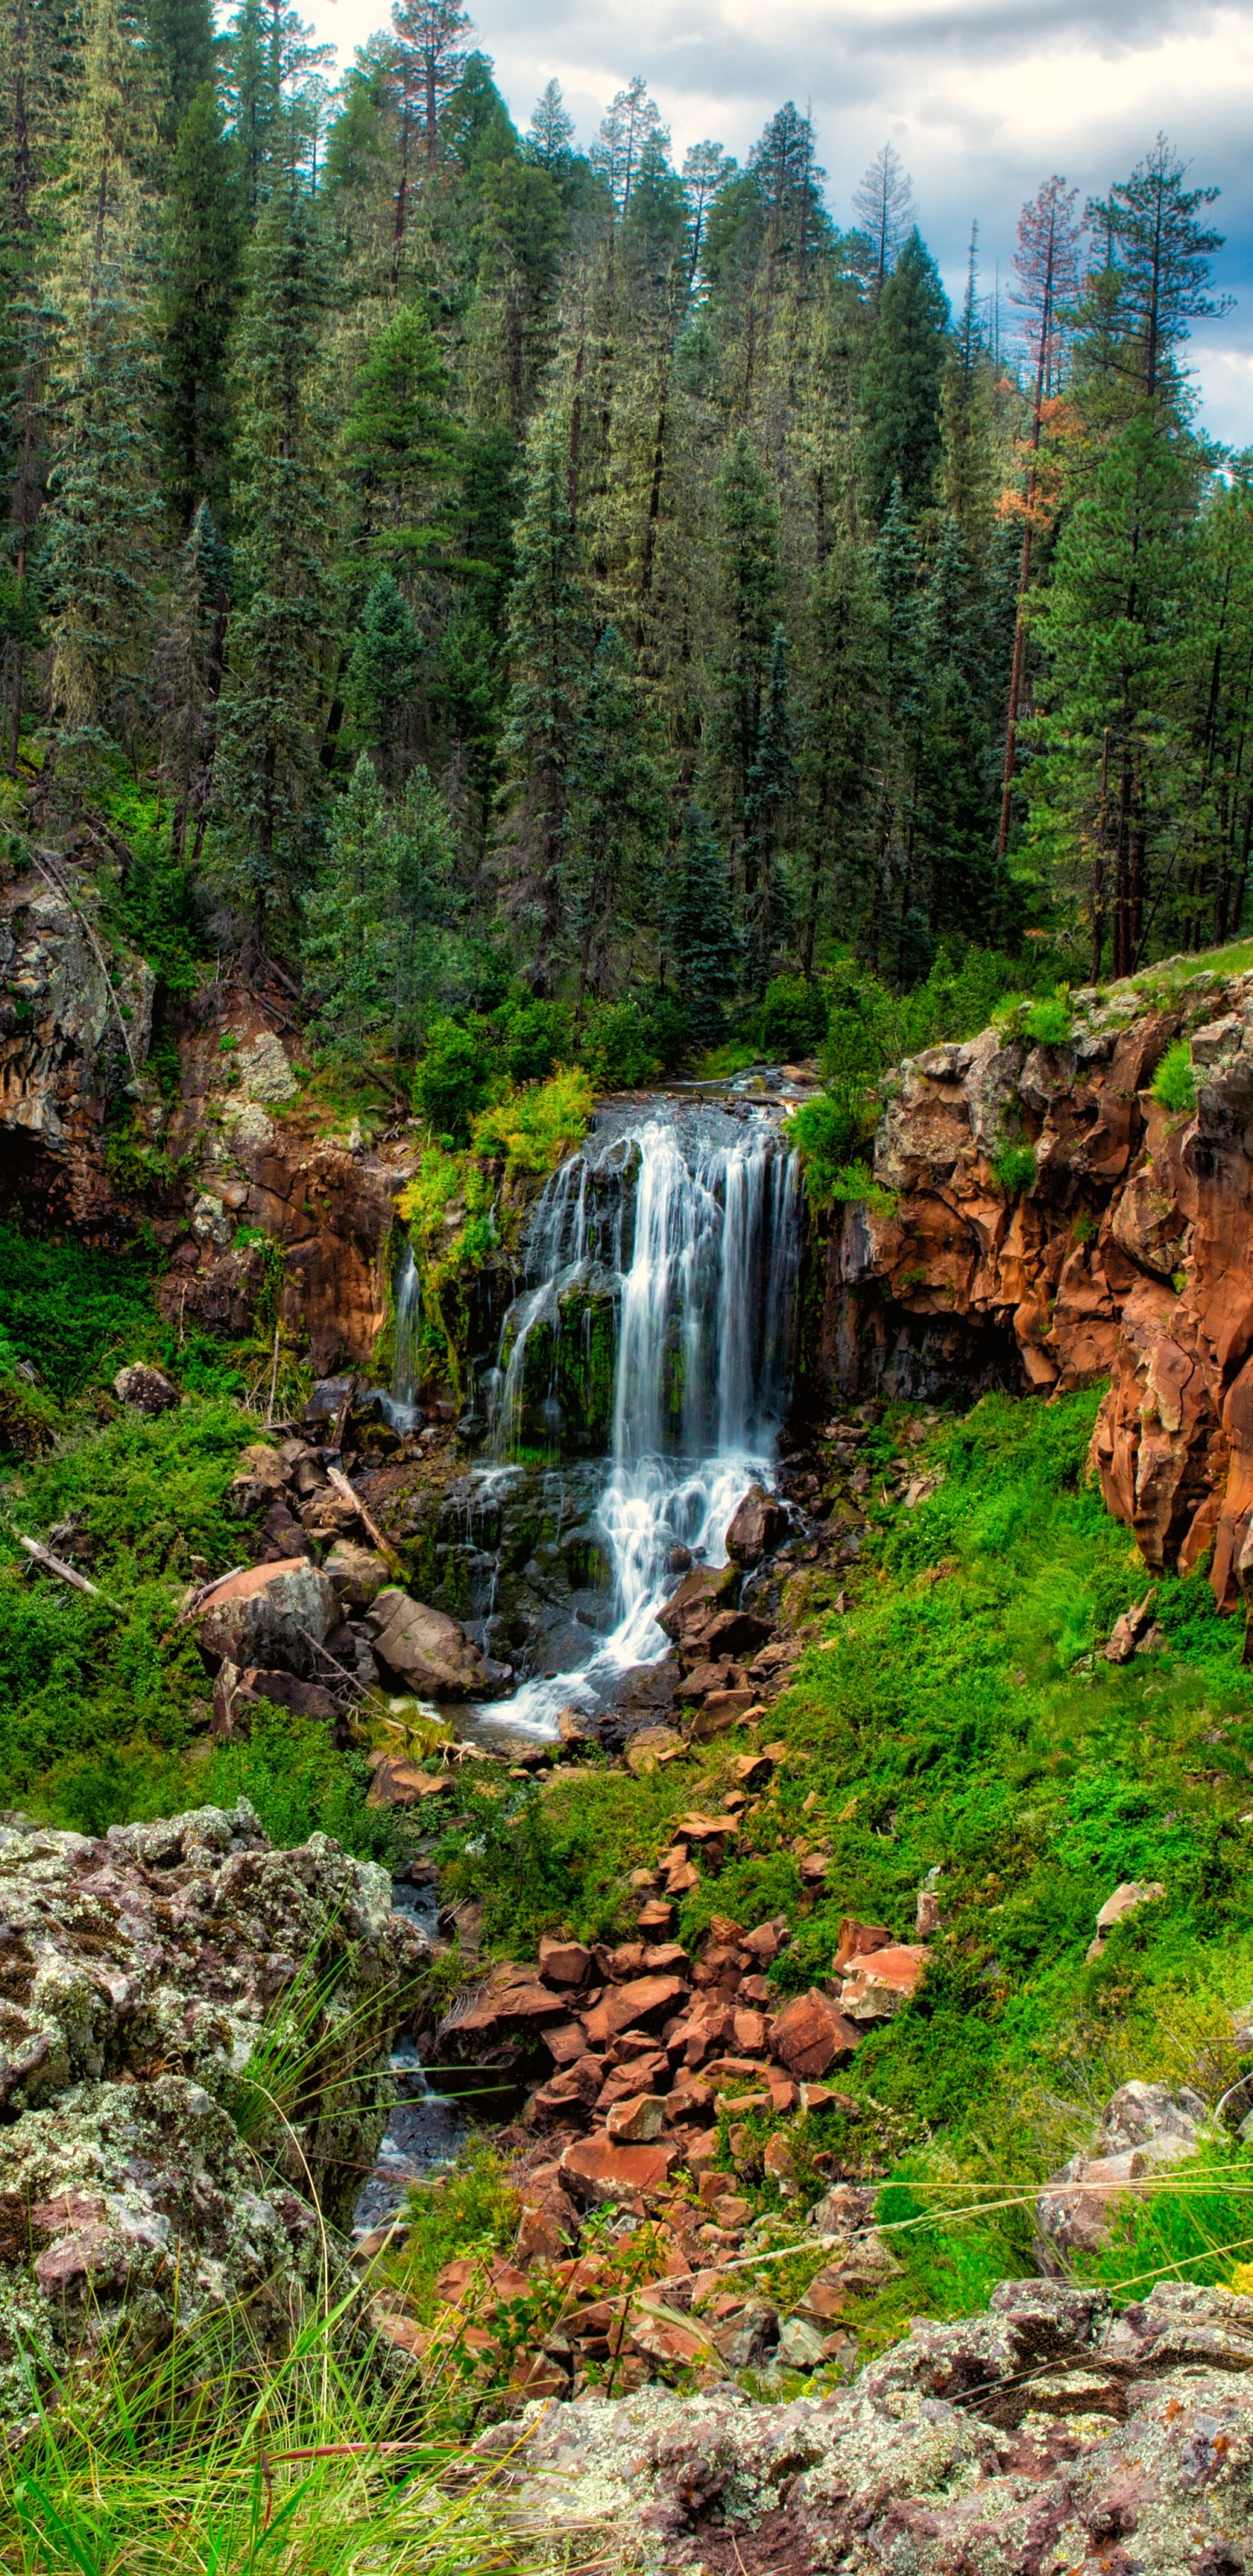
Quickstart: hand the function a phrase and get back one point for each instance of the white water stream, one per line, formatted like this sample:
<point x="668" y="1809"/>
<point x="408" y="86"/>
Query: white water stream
<point x="705" y="1299"/>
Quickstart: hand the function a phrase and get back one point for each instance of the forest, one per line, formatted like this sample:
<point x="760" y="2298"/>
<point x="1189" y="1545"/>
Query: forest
<point x="544" y="603"/>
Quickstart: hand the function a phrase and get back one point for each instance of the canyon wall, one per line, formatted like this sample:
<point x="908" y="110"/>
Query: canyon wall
<point x="1128" y="1255"/>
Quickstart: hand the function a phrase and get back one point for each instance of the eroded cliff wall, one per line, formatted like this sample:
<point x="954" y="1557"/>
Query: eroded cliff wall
<point x="1128" y="1254"/>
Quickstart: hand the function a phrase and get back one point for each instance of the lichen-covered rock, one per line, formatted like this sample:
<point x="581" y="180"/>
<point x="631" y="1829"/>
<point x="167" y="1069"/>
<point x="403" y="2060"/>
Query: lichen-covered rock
<point x="1043" y="2439"/>
<point x="194" y="2035"/>
<point x="269" y="1614"/>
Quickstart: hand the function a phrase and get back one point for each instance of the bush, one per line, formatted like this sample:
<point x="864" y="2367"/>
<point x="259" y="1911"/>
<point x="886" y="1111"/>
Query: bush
<point x="537" y="1128"/>
<point x="824" y="1132"/>
<point x="534" y="1038"/>
<point x="455" y="1077"/>
<point x="1013" y="1168"/>
<point x="627" y="1044"/>
<point x="792" y="1018"/>
<point x="1049" y="1023"/>
<point x="1174" y="1083"/>
<point x="76" y="1314"/>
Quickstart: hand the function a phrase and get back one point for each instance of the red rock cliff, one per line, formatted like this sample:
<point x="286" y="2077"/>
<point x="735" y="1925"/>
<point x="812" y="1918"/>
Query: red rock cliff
<point x="1128" y="1256"/>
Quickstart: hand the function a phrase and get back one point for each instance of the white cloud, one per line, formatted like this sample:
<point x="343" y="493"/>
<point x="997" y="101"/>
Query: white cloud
<point x="983" y="98"/>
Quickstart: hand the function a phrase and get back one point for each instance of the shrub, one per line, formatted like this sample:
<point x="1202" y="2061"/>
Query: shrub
<point x="824" y="1132"/>
<point x="1049" y="1022"/>
<point x="1013" y="1168"/>
<point x="792" y="1018"/>
<point x="857" y="1182"/>
<point x="534" y="1038"/>
<point x="455" y="1078"/>
<point x="1174" y="1083"/>
<point x="537" y="1128"/>
<point x="77" y="1314"/>
<point x="627" y="1044"/>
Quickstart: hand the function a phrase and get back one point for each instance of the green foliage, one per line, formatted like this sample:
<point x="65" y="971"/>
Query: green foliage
<point x="824" y="1132"/>
<point x="453" y="1080"/>
<point x="471" y="2210"/>
<point x="300" y="1785"/>
<point x="792" y="1018"/>
<point x="626" y="1045"/>
<point x="1013" y="1168"/>
<point x="539" y="1126"/>
<point x="857" y="1181"/>
<point x="76" y="1314"/>
<point x="1049" y="1022"/>
<point x="1174" y="1083"/>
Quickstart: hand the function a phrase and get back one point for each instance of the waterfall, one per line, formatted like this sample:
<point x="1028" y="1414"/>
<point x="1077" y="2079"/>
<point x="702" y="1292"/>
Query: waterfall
<point x="675" y="1237"/>
<point x="408" y="1330"/>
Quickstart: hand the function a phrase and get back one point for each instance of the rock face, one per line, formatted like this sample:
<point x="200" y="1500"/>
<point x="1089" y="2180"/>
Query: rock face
<point x="1042" y="2436"/>
<point x="140" y="2167"/>
<point x="1128" y="1254"/>
<point x="72" y="1037"/>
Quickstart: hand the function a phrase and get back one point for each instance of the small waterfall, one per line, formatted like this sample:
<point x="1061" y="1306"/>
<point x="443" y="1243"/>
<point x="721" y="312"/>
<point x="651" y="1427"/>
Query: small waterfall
<point x="405" y="1372"/>
<point x="676" y="1239"/>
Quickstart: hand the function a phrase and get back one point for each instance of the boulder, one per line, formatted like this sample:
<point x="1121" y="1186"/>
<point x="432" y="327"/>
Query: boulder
<point x="268" y="1615"/>
<point x="357" y="1573"/>
<point x="1142" y="2128"/>
<point x="636" y="2120"/>
<point x="809" y="2035"/>
<point x="600" y="2169"/>
<point x="757" y="1527"/>
<point x="722" y="1710"/>
<point x="564" y="1963"/>
<point x="1137" y="2451"/>
<point x="883" y="1981"/>
<point x="1124" y="1901"/>
<point x="143" y="1971"/>
<point x="428" y="1653"/>
<point x="641" y="2000"/>
<point x="856" y="1942"/>
<point x="145" y="1389"/>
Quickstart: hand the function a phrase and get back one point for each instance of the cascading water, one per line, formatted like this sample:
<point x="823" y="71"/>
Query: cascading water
<point x="408" y="1330"/>
<point x="675" y="1241"/>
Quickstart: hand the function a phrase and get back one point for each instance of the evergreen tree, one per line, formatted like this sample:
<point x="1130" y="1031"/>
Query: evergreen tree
<point x="191" y="670"/>
<point x="430" y="38"/>
<point x="883" y="203"/>
<point x="383" y="667"/>
<point x="1046" y="266"/>
<point x="901" y="384"/>
<point x="180" y="38"/>
<point x="551" y="137"/>
<point x="203" y="244"/>
<point x="617" y="815"/>
<point x="702" y="941"/>
<point x="770" y="785"/>
<point x="401" y="442"/>
<point x="632" y="120"/>
<point x="102" y="504"/>
<point x="550" y="641"/>
<point x="749" y="585"/>
<point x="281" y="624"/>
<point x="968" y="467"/>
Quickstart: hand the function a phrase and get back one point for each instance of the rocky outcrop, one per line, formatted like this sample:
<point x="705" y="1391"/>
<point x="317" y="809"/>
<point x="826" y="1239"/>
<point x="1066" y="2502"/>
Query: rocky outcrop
<point x="1045" y="2435"/>
<point x="1127" y="1253"/>
<point x="194" y="2035"/>
<point x="75" y="1023"/>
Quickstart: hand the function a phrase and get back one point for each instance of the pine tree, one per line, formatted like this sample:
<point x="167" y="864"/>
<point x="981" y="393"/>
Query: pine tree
<point x="102" y="504"/>
<point x="430" y="39"/>
<point x="400" y="439"/>
<point x="630" y="121"/>
<point x="883" y="203"/>
<point x="900" y="388"/>
<point x="840" y="746"/>
<point x="749" y="585"/>
<point x="348" y="927"/>
<point x="769" y="789"/>
<point x="703" y="943"/>
<point x="190" y="682"/>
<point x="1046" y="269"/>
<point x="550" y="643"/>
<point x="203" y="245"/>
<point x="180" y="38"/>
<point x="551" y="138"/>
<point x="267" y="782"/>
<point x="967" y="470"/>
<point x="617" y="815"/>
<point x="382" y="669"/>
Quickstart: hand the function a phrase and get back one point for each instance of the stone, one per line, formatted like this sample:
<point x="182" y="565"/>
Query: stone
<point x="756" y="1528"/>
<point x="626" y="2007"/>
<point x="656" y="1915"/>
<point x="1125" y="1900"/>
<point x="427" y="1652"/>
<point x="667" y="2341"/>
<point x="883" y="1981"/>
<point x="800" y="2345"/>
<point x="1142" y="2128"/>
<point x="573" y="1727"/>
<point x="145" y="1389"/>
<point x="722" y="1710"/>
<point x="764" y="1942"/>
<point x="264" y="1071"/>
<point x="809" y="2035"/>
<point x="636" y="2120"/>
<point x="358" y="1574"/>
<point x="268" y="1615"/>
<point x="599" y="2169"/>
<point x="399" y="1783"/>
<point x="650" y="1747"/>
<point x="564" y="1963"/>
<point x="856" y="1942"/>
<point x="746" y="2340"/>
<point x="1126" y="1633"/>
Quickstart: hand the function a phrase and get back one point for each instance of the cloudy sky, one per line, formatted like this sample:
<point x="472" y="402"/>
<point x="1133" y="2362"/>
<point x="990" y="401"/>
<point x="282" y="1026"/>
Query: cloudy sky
<point x="982" y="98"/>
